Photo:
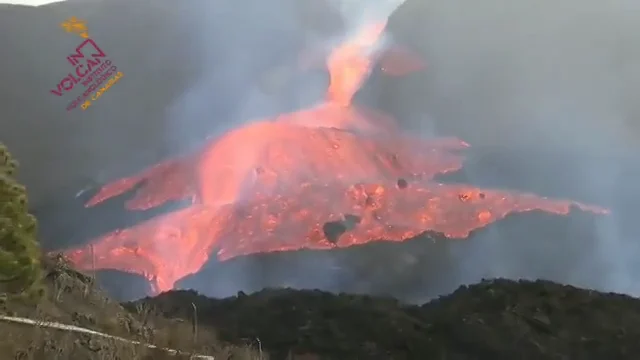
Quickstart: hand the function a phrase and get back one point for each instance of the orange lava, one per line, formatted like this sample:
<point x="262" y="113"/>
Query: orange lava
<point x="349" y="65"/>
<point x="272" y="185"/>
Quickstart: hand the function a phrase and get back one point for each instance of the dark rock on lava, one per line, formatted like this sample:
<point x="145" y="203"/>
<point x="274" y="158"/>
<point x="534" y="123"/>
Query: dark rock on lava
<point x="333" y="229"/>
<point x="499" y="319"/>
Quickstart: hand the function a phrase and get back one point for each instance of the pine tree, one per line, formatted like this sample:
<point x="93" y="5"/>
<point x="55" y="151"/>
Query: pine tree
<point x="20" y="270"/>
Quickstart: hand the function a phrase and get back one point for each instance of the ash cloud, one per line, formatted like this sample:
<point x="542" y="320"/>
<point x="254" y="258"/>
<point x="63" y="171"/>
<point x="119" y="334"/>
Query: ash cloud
<point x="245" y="75"/>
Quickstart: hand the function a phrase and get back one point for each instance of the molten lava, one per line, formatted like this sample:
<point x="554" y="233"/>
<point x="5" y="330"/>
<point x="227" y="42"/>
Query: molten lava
<point x="349" y="65"/>
<point x="272" y="185"/>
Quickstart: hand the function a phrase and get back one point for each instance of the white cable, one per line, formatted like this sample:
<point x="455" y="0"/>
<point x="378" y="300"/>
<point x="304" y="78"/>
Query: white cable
<point x="73" y="328"/>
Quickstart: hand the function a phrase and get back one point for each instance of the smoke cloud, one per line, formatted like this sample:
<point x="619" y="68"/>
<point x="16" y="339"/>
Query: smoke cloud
<point x="562" y="72"/>
<point x="228" y="91"/>
<point x="554" y="80"/>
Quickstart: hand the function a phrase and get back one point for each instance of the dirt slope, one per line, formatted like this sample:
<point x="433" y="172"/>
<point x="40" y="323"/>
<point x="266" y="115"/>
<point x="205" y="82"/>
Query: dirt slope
<point x="71" y="298"/>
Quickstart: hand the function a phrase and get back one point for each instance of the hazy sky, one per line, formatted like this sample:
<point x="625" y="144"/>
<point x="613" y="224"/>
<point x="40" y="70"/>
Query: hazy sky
<point x="30" y="2"/>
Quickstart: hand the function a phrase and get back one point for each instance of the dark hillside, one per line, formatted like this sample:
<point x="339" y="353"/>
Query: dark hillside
<point x="498" y="319"/>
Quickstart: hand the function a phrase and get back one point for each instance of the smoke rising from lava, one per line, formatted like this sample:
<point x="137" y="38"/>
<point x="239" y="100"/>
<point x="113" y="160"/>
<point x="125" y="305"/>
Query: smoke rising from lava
<point x="271" y="83"/>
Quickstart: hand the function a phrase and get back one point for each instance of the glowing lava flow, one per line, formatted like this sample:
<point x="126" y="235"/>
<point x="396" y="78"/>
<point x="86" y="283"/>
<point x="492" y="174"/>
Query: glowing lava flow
<point x="272" y="186"/>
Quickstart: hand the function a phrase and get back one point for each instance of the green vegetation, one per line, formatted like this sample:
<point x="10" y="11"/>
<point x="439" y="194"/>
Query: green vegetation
<point x="20" y="270"/>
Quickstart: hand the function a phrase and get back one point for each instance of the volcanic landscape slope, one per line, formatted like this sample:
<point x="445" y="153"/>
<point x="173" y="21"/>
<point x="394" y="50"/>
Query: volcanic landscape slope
<point x="498" y="319"/>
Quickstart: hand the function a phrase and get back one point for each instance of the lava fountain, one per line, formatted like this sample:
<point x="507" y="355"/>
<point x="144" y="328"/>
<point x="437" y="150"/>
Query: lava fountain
<point x="276" y="184"/>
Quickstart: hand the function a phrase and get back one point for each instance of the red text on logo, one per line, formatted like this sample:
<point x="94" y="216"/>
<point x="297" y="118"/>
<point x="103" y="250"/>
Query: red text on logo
<point x="85" y="59"/>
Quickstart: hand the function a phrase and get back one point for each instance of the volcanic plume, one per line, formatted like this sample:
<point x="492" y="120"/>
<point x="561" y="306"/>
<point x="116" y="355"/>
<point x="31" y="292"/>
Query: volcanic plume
<point x="335" y="175"/>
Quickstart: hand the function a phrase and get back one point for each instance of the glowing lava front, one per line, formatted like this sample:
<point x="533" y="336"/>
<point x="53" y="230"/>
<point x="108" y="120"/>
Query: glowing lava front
<point x="272" y="185"/>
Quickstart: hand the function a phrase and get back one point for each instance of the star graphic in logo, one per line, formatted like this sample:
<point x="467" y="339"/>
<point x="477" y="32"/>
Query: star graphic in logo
<point x="77" y="26"/>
